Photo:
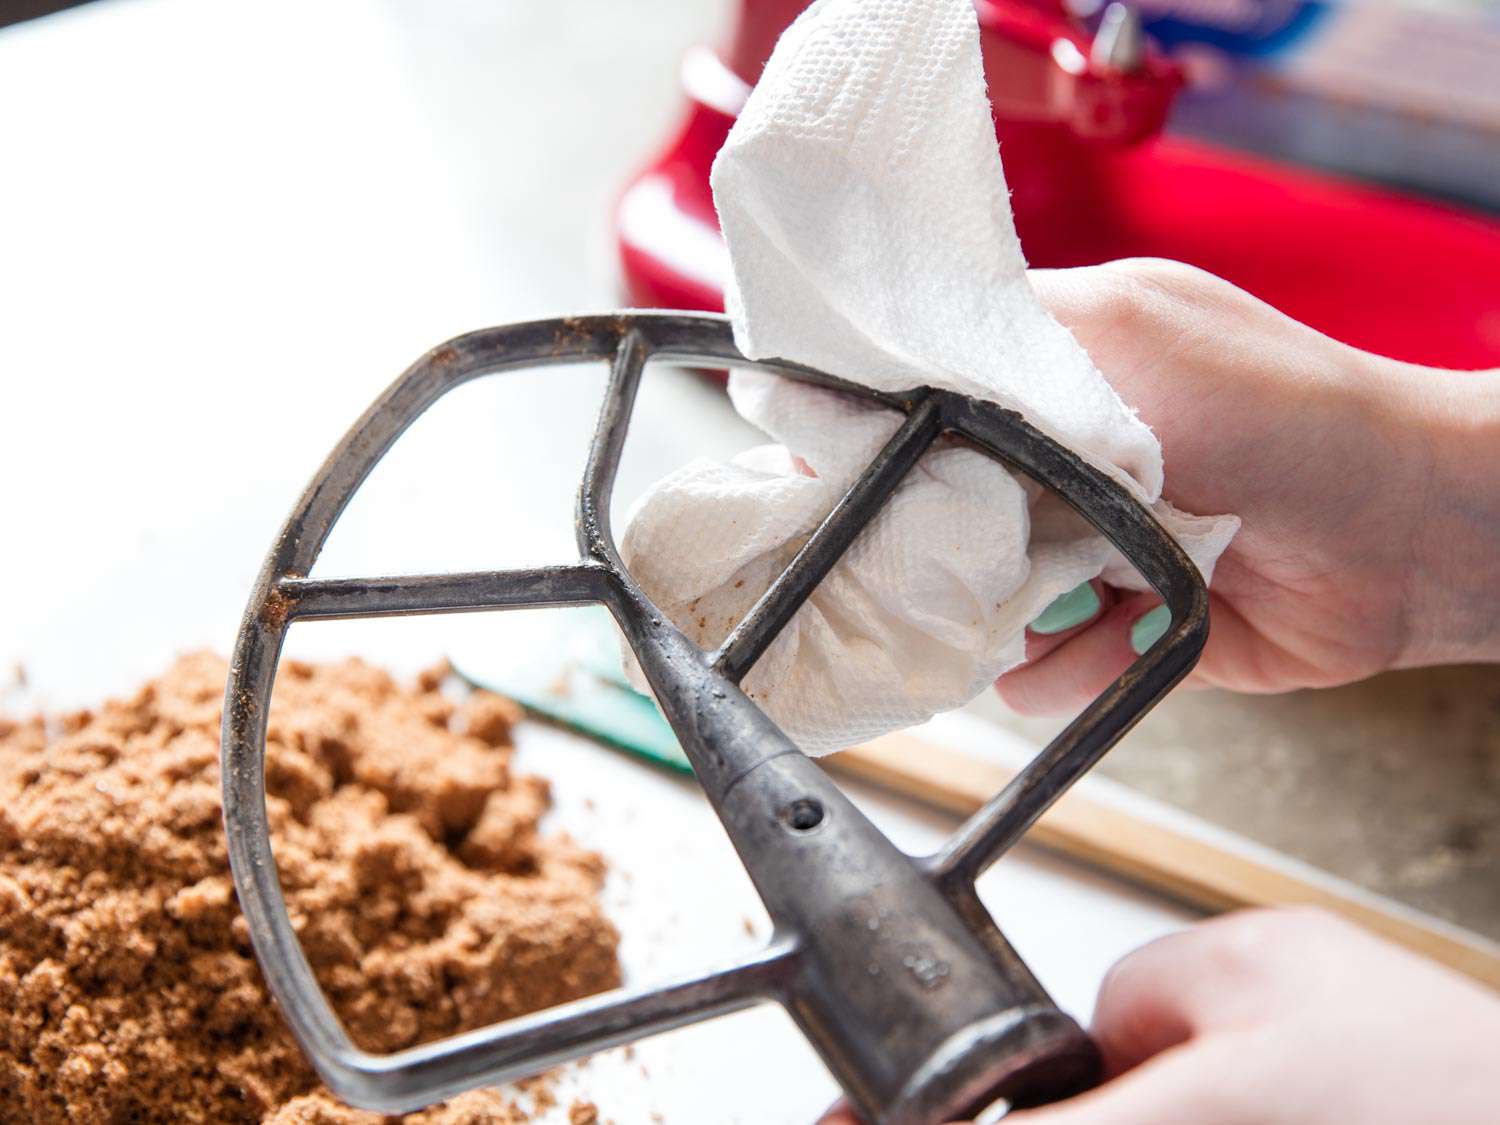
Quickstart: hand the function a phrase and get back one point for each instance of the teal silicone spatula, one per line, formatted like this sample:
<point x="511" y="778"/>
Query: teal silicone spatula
<point x="570" y="672"/>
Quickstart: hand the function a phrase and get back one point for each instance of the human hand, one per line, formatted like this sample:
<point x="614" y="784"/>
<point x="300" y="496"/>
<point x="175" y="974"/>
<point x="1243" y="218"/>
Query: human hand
<point x="1287" y="1017"/>
<point x="1369" y="491"/>
<point x="1284" y="1017"/>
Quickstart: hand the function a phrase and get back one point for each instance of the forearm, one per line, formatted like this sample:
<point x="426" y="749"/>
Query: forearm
<point x="1454" y="592"/>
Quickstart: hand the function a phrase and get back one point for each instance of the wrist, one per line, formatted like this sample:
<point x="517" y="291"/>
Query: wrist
<point x="1452" y="419"/>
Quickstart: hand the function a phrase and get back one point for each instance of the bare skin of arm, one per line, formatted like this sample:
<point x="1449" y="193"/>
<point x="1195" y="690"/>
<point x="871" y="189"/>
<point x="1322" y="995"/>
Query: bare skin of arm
<point x="1369" y="490"/>
<point x="1370" y="494"/>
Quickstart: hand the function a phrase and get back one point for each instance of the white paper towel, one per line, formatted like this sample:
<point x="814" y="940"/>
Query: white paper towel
<point x="870" y="235"/>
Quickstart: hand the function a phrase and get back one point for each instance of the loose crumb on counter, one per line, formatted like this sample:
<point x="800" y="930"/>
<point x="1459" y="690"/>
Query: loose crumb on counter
<point x="426" y="898"/>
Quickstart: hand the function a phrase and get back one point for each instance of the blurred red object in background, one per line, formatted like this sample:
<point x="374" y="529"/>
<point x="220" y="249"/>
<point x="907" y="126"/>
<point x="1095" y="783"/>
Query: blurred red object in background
<point x="1078" y="116"/>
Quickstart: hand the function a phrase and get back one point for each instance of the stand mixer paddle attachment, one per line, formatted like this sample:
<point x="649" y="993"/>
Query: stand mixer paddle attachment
<point x="888" y="963"/>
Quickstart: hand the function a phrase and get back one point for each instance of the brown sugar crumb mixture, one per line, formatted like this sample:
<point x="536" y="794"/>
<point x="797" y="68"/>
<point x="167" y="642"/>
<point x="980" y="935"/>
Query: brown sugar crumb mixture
<point x="424" y="896"/>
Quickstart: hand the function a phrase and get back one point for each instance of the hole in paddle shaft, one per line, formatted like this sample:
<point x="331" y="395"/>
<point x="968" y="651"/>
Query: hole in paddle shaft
<point x="803" y="814"/>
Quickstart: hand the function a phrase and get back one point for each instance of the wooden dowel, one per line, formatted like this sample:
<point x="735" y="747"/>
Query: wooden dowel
<point x="1203" y="868"/>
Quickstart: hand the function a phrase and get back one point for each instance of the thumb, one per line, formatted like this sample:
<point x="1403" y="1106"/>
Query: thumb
<point x="1186" y="1085"/>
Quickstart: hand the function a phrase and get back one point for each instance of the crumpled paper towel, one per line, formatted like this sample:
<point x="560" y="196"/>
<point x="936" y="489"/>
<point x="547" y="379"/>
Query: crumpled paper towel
<point x="870" y="235"/>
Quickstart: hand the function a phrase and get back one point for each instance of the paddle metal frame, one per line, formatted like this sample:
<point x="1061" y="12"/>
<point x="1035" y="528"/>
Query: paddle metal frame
<point x="888" y="963"/>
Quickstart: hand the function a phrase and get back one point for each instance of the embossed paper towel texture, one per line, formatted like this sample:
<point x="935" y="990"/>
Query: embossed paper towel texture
<point x="869" y="229"/>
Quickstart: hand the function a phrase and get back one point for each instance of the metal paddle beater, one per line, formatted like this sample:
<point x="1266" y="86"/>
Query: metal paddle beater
<point x="889" y="964"/>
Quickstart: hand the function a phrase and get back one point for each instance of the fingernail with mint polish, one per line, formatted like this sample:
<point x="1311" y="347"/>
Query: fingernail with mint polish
<point x="1149" y="629"/>
<point x="1068" y="611"/>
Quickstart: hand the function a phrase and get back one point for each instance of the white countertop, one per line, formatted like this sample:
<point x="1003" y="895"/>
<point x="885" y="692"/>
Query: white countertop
<point x="224" y="228"/>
